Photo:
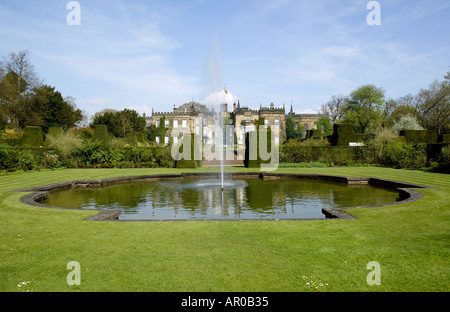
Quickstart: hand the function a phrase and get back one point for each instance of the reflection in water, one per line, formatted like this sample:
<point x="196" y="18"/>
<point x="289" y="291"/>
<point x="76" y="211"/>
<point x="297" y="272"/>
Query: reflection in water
<point x="246" y="198"/>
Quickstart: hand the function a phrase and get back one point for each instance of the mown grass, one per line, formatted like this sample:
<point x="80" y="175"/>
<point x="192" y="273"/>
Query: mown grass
<point x="410" y="241"/>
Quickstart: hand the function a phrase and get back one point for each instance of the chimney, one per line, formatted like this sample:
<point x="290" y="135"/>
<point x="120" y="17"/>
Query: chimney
<point x="271" y="106"/>
<point x="174" y="108"/>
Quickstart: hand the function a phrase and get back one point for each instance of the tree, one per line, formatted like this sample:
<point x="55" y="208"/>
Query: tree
<point x="47" y="108"/>
<point x="17" y="79"/>
<point x="120" y="123"/>
<point x="333" y="108"/>
<point x="433" y="106"/>
<point x="363" y="108"/>
<point x="293" y="129"/>
<point x="406" y="122"/>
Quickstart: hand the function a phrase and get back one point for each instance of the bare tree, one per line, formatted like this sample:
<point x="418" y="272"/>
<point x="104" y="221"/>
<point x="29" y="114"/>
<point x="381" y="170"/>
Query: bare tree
<point x="20" y="66"/>
<point x="333" y="108"/>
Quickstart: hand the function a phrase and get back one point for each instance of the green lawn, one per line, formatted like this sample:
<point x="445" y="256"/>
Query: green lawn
<point x="410" y="242"/>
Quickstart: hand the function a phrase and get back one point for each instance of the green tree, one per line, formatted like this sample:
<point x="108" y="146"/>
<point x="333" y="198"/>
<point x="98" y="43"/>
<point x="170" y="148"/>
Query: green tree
<point x="47" y="108"/>
<point x="293" y="129"/>
<point x="433" y="106"/>
<point x="363" y="108"/>
<point x="120" y="123"/>
<point x="18" y="78"/>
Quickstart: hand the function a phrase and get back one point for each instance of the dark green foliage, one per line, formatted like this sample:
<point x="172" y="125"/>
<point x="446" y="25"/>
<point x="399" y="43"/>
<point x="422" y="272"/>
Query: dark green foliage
<point x="101" y="134"/>
<point x="121" y="123"/>
<point x="12" y="159"/>
<point x="444" y="160"/>
<point x="409" y="156"/>
<point x="194" y="143"/>
<point x="324" y="126"/>
<point x="47" y="108"/>
<point x="32" y="136"/>
<point x="54" y="131"/>
<point x="312" y="134"/>
<point x="294" y="151"/>
<point x="135" y="137"/>
<point x="160" y="131"/>
<point x="343" y="134"/>
<point x="294" y="130"/>
<point x="420" y="136"/>
<point x="444" y="138"/>
<point x="252" y="144"/>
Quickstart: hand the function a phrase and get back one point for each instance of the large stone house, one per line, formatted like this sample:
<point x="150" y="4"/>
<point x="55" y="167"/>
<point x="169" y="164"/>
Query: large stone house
<point x="197" y="118"/>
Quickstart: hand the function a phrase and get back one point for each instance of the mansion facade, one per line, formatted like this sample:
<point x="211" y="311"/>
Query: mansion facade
<point x="195" y="118"/>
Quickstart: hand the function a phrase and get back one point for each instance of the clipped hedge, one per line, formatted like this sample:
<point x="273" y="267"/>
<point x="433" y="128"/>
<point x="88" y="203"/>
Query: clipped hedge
<point x="101" y="134"/>
<point x="194" y="143"/>
<point x="444" y="138"/>
<point x="254" y="146"/>
<point x="420" y="136"/>
<point x="293" y="151"/>
<point x="32" y="137"/>
<point x="342" y="134"/>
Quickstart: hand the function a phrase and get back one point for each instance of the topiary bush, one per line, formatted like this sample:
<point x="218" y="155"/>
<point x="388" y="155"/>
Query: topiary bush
<point x="32" y="137"/>
<point x="420" y="136"/>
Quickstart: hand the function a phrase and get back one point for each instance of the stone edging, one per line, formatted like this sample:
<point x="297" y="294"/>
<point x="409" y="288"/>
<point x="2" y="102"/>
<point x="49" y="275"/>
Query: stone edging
<point x="407" y="194"/>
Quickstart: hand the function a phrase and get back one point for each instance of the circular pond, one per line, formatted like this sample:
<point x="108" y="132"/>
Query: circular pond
<point x="202" y="198"/>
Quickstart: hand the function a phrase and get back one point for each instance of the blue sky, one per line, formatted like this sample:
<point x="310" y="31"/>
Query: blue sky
<point x="156" y="54"/>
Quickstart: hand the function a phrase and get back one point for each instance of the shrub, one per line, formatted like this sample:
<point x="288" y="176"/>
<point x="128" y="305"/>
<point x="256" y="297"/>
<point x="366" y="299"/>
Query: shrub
<point x="408" y="156"/>
<point x="65" y="144"/>
<point x="16" y="159"/>
<point x="374" y="149"/>
<point x="444" y="160"/>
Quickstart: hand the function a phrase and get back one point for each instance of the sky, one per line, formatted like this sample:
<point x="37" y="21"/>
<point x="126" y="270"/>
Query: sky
<point x="144" y="55"/>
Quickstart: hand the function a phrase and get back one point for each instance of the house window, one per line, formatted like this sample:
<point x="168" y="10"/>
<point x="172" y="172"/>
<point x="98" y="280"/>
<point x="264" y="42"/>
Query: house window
<point x="157" y="140"/>
<point x="247" y="119"/>
<point x="175" y="123"/>
<point x="166" y="140"/>
<point x="306" y="127"/>
<point x="158" y="123"/>
<point x="266" y="123"/>
<point x="166" y="123"/>
<point x="184" y="123"/>
<point x="277" y="123"/>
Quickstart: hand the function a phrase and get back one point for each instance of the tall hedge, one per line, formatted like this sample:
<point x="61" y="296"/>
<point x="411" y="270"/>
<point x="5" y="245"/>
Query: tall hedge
<point x="195" y="144"/>
<point x="32" y="137"/>
<point x="254" y="145"/>
<point x="420" y="136"/>
<point x="101" y="134"/>
<point x="343" y="134"/>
